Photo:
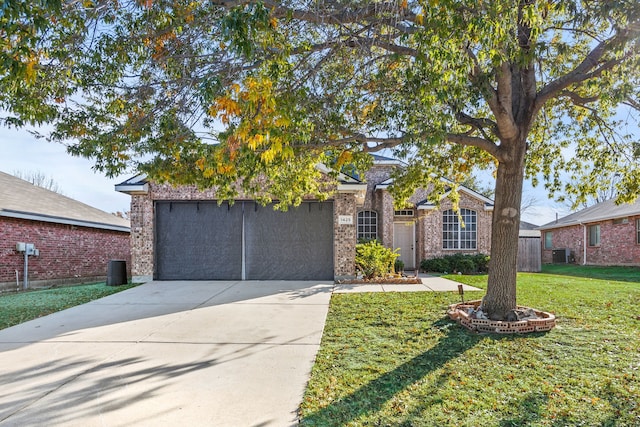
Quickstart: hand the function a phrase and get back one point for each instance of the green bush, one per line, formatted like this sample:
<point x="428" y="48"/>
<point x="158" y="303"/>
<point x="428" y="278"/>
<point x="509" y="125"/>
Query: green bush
<point x="439" y="265"/>
<point x="398" y="266"/>
<point x="482" y="262"/>
<point x="374" y="260"/>
<point x="462" y="263"/>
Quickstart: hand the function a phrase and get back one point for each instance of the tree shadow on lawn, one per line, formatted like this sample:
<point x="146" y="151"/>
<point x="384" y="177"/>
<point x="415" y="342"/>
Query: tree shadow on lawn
<point x="372" y="396"/>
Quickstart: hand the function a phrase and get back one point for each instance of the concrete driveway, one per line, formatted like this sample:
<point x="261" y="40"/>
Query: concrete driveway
<point x="167" y="354"/>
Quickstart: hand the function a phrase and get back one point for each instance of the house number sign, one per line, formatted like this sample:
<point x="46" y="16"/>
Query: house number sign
<point x="345" y="219"/>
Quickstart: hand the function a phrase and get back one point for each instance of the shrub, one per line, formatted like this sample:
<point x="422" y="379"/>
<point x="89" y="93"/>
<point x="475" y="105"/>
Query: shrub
<point x="374" y="260"/>
<point x="439" y="265"/>
<point x="482" y="262"/>
<point x="462" y="263"/>
<point x="398" y="266"/>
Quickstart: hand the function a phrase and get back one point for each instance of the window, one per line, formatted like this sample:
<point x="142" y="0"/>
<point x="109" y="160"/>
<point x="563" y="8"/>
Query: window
<point x="548" y="239"/>
<point x="594" y="235"/>
<point x="619" y="221"/>
<point x="456" y="234"/>
<point x="403" y="212"/>
<point x="638" y="231"/>
<point x="367" y="225"/>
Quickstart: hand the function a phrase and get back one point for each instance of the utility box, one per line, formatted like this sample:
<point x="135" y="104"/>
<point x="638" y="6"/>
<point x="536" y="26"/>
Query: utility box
<point x="560" y="256"/>
<point x="30" y="249"/>
<point x="21" y="246"/>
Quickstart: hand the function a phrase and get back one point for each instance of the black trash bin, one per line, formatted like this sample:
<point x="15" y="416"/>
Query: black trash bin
<point x="116" y="272"/>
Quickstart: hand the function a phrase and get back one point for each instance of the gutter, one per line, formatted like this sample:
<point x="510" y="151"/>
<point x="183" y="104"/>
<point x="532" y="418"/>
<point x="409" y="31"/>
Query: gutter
<point x="61" y="220"/>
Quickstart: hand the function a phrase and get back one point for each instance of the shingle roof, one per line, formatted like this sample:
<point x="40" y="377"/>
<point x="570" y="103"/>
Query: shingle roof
<point x="598" y="212"/>
<point x="21" y="199"/>
<point x="527" y="226"/>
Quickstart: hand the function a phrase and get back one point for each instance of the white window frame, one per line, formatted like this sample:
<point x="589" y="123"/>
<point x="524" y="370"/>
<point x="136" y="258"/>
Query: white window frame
<point x="548" y="239"/>
<point x="457" y="237"/>
<point x="367" y="225"/>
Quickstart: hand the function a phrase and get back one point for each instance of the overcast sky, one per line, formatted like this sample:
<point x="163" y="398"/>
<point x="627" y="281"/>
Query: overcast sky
<point x="21" y="151"/>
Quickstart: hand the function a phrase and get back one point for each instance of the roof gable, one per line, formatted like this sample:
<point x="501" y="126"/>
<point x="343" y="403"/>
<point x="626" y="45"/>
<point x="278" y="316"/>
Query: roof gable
<point x="21" y="199"/>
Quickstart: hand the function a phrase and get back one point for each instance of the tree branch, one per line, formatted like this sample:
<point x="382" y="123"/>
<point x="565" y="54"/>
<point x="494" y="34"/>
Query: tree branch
<point x="590" y="67"/>
<point x="473" y="141"/>
<point x="577" y="99"/>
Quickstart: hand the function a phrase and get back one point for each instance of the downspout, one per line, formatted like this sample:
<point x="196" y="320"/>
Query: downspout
<point x="584" y="244"/>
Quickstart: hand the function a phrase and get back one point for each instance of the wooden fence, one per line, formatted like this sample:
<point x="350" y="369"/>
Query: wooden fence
<point x="529" y="254"/>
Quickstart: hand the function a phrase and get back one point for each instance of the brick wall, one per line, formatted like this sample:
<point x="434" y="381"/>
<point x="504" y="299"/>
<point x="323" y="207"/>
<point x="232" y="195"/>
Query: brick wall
<point x="428" y="222"/>
<point x="618" y="245"/>
<point x="344" y="236"/>
<point x="142" y="228"/>
<point x="431" y="229"/>
<point x="68" y="254"/>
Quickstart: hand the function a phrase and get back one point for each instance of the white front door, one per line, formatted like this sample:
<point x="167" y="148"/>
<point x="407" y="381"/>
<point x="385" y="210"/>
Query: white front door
<point x="404" y="237"/>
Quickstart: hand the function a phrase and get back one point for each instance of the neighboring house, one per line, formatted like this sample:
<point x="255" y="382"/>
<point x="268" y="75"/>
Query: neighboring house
<point x="75" y="241"/>
<point x="602" y="234"/>
<point x="183" y="233"/>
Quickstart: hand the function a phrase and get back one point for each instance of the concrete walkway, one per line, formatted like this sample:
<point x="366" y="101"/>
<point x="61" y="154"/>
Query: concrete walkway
<point x="172" y="353"/>
<point x="429" y="283"/>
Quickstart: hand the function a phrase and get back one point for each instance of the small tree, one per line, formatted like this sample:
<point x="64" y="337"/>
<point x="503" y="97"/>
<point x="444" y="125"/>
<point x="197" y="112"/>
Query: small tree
<point x="39" y="179"/>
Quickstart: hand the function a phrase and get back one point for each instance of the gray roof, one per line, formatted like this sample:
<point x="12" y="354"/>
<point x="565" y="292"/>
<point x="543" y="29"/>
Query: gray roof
<point x="21" y="199"/>
<point x="527" y="226"/>
<point x="599" y="212"/>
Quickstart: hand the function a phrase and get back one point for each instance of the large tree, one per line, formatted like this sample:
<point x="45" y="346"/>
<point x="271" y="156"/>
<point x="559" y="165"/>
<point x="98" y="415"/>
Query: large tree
<point x="217" y="91"/>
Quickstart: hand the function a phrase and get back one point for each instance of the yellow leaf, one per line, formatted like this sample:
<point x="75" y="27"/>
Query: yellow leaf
<point x="420" y="19"/>
<point x="29" y="72"/>
<point x="344" y="157"/>
<point x="200" y="163"/>
<point x="208" y="173"/>
<point x="268" y="156"/>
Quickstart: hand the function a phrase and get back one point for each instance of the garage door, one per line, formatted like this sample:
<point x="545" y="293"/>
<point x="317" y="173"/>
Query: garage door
<point x="204" y="241"/>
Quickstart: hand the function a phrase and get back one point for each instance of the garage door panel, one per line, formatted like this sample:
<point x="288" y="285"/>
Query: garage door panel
<point x="292" y="245"/>
<point x="198" y="241"/>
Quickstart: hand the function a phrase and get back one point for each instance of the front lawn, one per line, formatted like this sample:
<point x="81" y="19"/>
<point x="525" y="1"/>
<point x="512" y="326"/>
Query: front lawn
<point x="19" y="307"/>
<point x="394" y="359"/>
<point x="623" y="274"/>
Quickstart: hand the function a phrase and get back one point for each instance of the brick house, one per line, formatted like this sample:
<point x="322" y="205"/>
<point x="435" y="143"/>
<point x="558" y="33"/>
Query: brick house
<point x="602" y="234"/>
<point x="183" y="233"/>
<point x="75" y="241"/>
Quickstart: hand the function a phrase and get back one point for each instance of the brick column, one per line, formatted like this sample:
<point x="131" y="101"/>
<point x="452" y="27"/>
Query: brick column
<point x="344" y="237"/>
<point x="142" y="238"/>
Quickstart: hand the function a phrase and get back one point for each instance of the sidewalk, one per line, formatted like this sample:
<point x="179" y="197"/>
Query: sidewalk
<point x="429" y="284"/>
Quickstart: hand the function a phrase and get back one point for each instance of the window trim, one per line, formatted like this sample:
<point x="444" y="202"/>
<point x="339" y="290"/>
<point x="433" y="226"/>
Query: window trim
<point x="597" y="235"/>
<point x="462" y="234"/>
<point x="637" y="231"/>
<point x="372" y="218"/>
<point x="548" y="244"/>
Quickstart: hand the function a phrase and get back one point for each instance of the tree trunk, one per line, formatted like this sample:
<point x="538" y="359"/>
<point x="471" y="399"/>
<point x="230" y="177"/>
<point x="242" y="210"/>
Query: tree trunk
<point x="503" y="267"/>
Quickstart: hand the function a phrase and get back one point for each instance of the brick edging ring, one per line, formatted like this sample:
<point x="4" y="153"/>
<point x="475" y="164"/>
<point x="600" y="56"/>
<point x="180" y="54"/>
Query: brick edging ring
<point x="458" y="312"/>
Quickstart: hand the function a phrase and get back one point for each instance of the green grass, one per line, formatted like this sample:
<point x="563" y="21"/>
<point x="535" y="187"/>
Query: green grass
<point x="394" y="359"/>
<point x="623" y="274"/>
<point x="20" y="307"/>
